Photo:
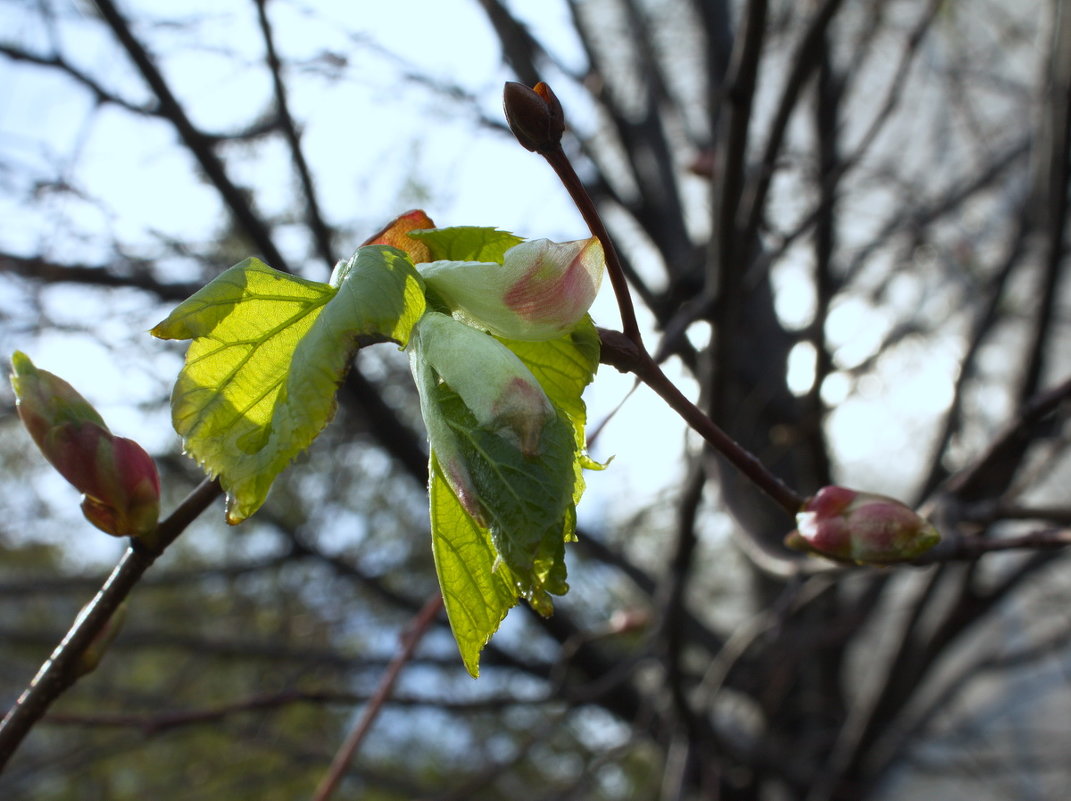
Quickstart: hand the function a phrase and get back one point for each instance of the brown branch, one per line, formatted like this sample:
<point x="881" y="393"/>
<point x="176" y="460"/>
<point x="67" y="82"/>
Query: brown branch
<point x="409" y="640"/>
<point x="561" y="165"/>
<point x="896" y="89"/>
<point x="520" y="50"/>
<point x="160" y="723"/>
<point x="314" y="217"/>
<point x="57" y="62"/>
<point x="1053" y="169"/>
<point x="993" y="470"/>
<point x="827" y="113"/>
<point x="810" y="54"/>
<point x="724" y="266"/>
<point x="199" y="145"/>
<point x="63" y="668"/>
<point x="623" y="354"/>
<point x="986" y="319"/>
<point x="39" y="269"/>
<point x="104" y="96"/>
<point x="987" y="513"/>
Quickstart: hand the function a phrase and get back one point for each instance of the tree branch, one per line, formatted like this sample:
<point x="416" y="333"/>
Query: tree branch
<point x="313" y="216"/>
<point x="195" y="141"/>
<point x="409" y="641"/>
<point x="63" y="668"/>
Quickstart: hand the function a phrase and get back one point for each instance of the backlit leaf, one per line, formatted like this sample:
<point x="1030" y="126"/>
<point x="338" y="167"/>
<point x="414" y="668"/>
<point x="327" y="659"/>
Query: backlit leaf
<point x="466" y="243"/>
<point x="268" y="352"/>
<point x="524" y="501"/>
<point x="564" y="367"/>
<point x="477" y="596"/>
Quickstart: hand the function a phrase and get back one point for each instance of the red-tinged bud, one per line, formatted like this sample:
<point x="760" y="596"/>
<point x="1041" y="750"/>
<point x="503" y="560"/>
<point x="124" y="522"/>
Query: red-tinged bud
<point x="46" y="400"/>
<point x="127" y="502"/>
<point x="540" y="291"/>
<point x="626" y="621"/>
<point x="118" y="479"/>
<point x="396" y="234"/>
<point x="534" y="115"/>
<point x="861" y="527"/>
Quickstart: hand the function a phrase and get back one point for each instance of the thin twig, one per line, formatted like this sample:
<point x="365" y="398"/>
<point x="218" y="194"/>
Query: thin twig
<point x="63" y="668"/>
<point x="409" y="640"/>
<point x="571" y="181"/>
<point x="967" y="548"/>
<point x="619" y="351"/>
<point x="537" y="120"/>
<point x="321" y="234"/>
<point x="194" y="139"/>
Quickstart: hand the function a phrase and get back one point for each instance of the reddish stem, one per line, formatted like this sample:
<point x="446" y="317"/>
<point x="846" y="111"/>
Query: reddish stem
<point x="563" y="167"/>
<point x="409" y="640"/>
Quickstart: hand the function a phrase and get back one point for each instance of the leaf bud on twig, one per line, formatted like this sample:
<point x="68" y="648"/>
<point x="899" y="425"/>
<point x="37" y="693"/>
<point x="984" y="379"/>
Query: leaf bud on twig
<point x="534" y="115"/>
<point x="118" y="479"/>
<point x="861" y="527"/>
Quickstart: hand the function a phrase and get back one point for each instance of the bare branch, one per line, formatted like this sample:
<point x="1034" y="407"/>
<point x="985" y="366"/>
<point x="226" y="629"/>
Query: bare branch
<point x="63" y="667"/>
<point x="320" y="233"/>
<point x="196" y="142"/>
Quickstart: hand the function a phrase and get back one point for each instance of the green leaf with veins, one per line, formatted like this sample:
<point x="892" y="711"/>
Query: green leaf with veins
<point x="466" y="243"/>
<point x="477" y="594"/>
<point x="511" y="505"/>
<point x="525" y="501"/>
<point x="269" y="350"/>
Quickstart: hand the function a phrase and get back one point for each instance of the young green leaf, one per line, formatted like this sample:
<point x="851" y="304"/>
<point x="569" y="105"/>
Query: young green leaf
<point x="540" y="290"/>
<point x="268" y="352"/>
<point x="506" y="451"/>
<point x="466" y="243"/>
<point x="476" y="593"/>
<point x="525" y="502"/>
<point x="564" y="367"/>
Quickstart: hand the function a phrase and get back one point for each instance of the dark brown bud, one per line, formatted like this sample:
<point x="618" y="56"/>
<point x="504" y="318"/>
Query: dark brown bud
<point x="534" y="115"/>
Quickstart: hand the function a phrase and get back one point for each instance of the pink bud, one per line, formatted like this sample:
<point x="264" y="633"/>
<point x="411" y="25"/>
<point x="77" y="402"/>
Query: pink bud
<point x="118" y="479"/>
<point x="861" y="527"/>
<point x="541" y="290"/>
<point x="126" y="502"/>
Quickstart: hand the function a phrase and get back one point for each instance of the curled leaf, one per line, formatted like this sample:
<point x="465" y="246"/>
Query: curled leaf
<point x="540" y="291"/>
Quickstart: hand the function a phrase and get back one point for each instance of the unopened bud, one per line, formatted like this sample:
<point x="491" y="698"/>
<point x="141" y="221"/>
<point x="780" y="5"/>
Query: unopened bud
<point x="124" y="498"/>
<point x="861" y="527"/>
<point x="118" y="479"/>
<point x="534" y="115"/>
<point x="540" y="291"/>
